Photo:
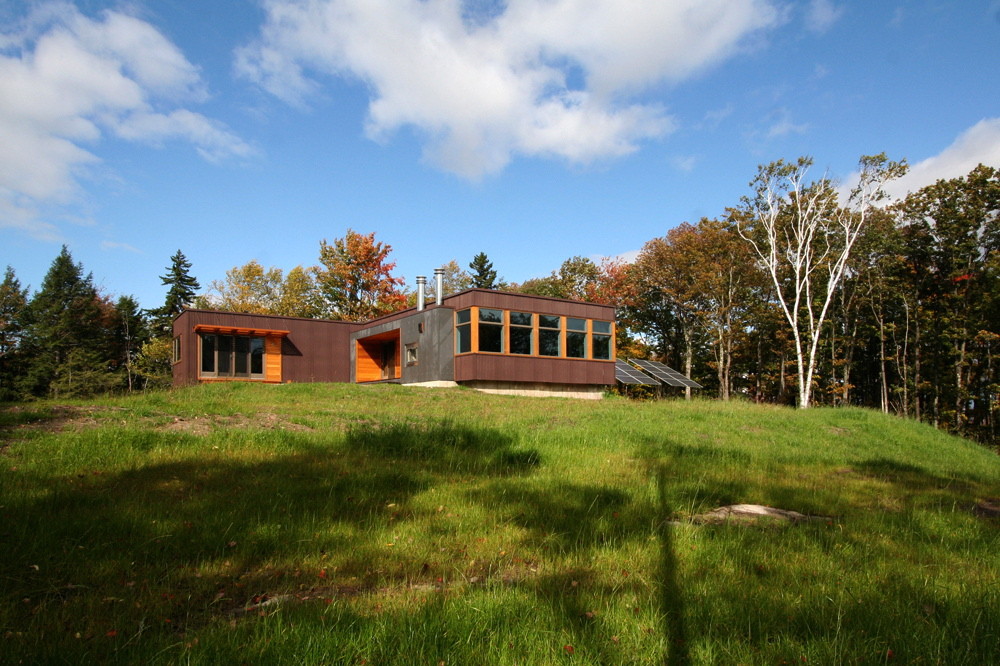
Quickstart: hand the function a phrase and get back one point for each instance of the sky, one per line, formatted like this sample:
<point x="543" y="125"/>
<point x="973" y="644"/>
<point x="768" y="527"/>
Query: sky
<point x="531" y="130"/>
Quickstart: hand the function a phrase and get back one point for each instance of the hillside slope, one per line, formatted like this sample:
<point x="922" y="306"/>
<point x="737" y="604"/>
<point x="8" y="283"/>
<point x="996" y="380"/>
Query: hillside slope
<point x="385" y="524"/>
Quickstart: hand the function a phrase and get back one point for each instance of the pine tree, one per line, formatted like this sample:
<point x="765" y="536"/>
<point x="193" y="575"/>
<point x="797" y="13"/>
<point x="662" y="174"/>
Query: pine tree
<point x="483" y="275"/>
<point x="64" y="341"/>
<point x="13" y="300"/>
<point x="180" y="295"/>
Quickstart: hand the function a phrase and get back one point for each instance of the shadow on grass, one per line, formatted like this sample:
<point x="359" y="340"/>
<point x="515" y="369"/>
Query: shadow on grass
<point x="164" y="549"/>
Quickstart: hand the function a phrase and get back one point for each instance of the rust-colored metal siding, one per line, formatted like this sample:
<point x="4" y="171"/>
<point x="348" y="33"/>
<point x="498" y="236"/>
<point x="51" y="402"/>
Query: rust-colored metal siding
<point x="315" y="350"/>
<point x="531" y="369"/>
<point x="487" y="298"/>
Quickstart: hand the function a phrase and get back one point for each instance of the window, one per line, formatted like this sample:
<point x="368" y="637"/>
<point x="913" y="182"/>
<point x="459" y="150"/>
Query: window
<point x="411" y="354"/>
<point x="490" y="330"/>
<point x="176" y="356"/>
<point x="463" y="331"/>
<point x="549" y="335"/>
<point x="497" y="331"/>
<point x="521" y="332"/>
<point x="576" y="338"/>
<point x="232" y="356"/>
<point x="600" y="346"/>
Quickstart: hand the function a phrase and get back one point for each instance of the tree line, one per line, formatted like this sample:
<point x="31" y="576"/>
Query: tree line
<point x="792" y="296"/>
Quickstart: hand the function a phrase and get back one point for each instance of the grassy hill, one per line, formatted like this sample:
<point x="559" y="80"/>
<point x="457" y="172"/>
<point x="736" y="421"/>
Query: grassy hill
<point x="342" y="524"/>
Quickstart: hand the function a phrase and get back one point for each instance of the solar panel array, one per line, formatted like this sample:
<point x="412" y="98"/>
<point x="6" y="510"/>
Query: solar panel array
<point x="665" y="374"/>
<point x="626" y="374"/>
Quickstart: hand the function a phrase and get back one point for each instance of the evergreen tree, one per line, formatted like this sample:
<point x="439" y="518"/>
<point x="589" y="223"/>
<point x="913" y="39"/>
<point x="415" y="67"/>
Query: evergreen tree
<point x="64" y="341"/>
<point x="13" y="300"/>
<point x="179" y="296"/>
<point x="483" y="275"/>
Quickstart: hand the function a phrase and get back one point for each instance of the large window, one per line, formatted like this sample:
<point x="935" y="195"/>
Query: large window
<point x="600" y="345"/>
<point x="576" y="338"/>
<point x="232" y="356"/>
<point x="463" y="331"/>
<point x="494" y="331"/>
<point x="490" y="330"/>
<point x="549" y="335"/>
<point x="521" y="324"/>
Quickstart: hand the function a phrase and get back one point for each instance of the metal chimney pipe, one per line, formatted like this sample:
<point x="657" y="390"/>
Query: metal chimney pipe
<point x="438" y="285"/>
<point x="421" y="294"/>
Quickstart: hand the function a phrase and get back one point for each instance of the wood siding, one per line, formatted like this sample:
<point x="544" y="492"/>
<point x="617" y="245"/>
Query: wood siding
<point x="272" y="358"/>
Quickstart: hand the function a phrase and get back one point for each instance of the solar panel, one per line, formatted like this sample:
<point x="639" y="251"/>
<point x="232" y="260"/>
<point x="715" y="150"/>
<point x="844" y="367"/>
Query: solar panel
<point x="665" y="374"/>
<point x="626" y="374"/>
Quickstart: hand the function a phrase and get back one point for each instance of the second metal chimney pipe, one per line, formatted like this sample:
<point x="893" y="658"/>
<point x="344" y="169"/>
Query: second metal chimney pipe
<point x="438" y="285"/>
<point x="421" y="294"/>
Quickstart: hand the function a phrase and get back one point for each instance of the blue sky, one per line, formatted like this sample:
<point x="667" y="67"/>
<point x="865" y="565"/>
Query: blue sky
<point x="532" y="130"/>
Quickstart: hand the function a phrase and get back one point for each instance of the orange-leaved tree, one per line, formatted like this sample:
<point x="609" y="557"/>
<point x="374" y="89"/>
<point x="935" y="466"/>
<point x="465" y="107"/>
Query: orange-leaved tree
<point x="356" y="281"/>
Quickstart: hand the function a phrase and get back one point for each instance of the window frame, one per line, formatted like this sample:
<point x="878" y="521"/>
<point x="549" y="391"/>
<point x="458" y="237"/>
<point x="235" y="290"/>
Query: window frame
<point x="231" y="349"/>
<point x="583" y="333"/>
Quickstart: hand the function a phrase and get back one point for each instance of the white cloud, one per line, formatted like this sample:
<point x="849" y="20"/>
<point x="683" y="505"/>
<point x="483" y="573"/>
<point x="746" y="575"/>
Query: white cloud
<point x="66" y="81"/>
<point x="535" y="77"/>
<point x="821" y="15"/>
<point x="111" y="245"/>
<point x="685" y="163"/>
<point x="782" y="125"/>
<point x="980" y="144"/>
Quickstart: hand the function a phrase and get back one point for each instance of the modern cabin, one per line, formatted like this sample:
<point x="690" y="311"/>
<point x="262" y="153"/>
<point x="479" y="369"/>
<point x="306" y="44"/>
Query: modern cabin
<point x="488" y="340"/>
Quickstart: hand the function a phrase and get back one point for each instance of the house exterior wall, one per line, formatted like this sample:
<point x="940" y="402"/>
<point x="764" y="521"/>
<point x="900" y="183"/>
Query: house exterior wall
<point x="327" y="351"/>
<point x="313" y="351"/>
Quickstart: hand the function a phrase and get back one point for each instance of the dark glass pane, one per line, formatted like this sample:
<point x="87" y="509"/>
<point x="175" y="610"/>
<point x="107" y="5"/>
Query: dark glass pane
<point x="520" y="318"/>
<point x="256" y="356"/>
<point x="576" y="324"/>
<point x="602" y="327"/>
<point x="225" y="365"/>
<point x="490" y="338"/>
<point x="463" y="316"/>
<point x="495" y="316"/>
<point x="520" y="340"/>
<point x="602" y="346"/>
<point x="242" y="357"/>
<point x="548" y="321"/>
<point x="208" y="353"/>
<point x="548" y="343"/>
<point x="576" y="345"/>
<point x="463" y="339"/>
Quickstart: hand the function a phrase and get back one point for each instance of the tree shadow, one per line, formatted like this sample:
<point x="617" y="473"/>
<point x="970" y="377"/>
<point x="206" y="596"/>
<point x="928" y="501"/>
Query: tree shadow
<point x="190" y="540"/>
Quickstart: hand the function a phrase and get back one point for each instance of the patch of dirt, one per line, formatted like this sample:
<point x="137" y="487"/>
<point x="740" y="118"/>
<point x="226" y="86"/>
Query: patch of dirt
<point x="203" y="425"/>
<point x="58" y="418"/>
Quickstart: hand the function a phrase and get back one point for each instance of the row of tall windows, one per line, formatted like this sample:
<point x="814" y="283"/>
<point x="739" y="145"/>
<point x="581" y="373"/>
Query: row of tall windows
<point x="232" y="356"/>
<point x="528" y="333"/>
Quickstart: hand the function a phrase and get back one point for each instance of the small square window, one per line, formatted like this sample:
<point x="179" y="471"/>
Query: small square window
<point x="411" y="354"/>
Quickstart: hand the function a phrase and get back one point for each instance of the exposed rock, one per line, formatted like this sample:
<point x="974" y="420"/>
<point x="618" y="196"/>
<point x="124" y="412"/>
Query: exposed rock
<point x="989" y="508"/>
<point x="753" y="513"/>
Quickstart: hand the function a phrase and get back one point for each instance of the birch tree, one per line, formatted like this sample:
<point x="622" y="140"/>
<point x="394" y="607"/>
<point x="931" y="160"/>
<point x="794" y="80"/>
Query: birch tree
<point x="804" y="238"/>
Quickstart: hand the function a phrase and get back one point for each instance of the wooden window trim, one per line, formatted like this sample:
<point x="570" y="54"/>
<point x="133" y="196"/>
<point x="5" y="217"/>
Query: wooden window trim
<point x="536" y="328"/>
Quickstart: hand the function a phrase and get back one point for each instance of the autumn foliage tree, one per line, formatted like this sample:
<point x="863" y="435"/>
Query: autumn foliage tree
<point x="355" y="281"/>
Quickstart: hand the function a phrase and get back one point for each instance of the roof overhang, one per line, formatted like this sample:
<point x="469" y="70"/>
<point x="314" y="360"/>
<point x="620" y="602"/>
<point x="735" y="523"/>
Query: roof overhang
<point x="239" y="330"/>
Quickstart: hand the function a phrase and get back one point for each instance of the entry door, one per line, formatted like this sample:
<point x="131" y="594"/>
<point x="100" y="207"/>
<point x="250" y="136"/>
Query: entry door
<point x="389" y="360"/>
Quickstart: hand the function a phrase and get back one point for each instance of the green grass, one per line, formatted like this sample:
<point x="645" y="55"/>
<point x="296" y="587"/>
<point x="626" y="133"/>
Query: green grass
<point x="390" y="525"/>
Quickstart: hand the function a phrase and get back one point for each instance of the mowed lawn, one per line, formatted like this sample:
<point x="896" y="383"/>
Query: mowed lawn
<point x="340" y="524"/>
